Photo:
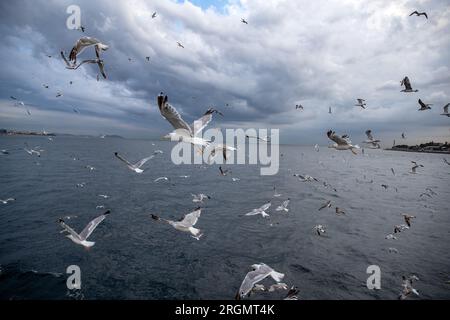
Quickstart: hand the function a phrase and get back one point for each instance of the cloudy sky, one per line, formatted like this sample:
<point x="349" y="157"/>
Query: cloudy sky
<point x="316" y="53"/>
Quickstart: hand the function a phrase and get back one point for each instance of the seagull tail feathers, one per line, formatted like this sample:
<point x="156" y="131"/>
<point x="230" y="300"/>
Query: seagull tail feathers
<point x="196" y="233"/>
<point x="277" y="276"/>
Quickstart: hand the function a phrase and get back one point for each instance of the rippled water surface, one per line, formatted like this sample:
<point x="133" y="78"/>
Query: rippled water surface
<point x="136" y="258"/>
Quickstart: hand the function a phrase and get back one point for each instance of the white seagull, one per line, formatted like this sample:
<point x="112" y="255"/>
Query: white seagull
<point x="183" y="131"/>
<point x="261" y="211"/>
<point x="446" y="110"/>
<point x="199" y="197"/>
<point x="186" y="224"/>
<point x="407" y="287"/>
<point x="81" y="238"/>
<point x="341" y="143"/>
<point x="405" y="82"/>
<point x="320" y="229"/>
<point x="424" y="106"/>
<point x="161" y="178"/>
<point x="134" y="167"/>
<point x="373" y="143"/>
<point x="79" y="47"/>
<point x="260" y="272"/>
<point x="325" y="205"/>
<point x="7" y="200"/>
<point x="361" y="103"/>
<point x="284" y="206"/>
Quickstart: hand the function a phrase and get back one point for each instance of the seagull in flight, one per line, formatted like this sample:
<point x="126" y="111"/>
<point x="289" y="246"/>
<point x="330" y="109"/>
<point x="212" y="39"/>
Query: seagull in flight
<point x="414" y="168"/>
<point x="407" y="288"/>
<point x="183" y="131"/>
<point x="261" y="211"/>
<point x="305" y="178"/>
<point x="424" y="106"/>
<point x="361" y="103"/>
<point x="244" y="21"/>
<point x="329" y="110"/>
<point x="200" y="197"/>
<point x="6" y="201"/>
<point x="419" y="14"/>
<point x="31" y="151"/>
<point x="134" y="167"/>
<point x="220" y="149"/>
<point x="224" y="172"/>
<point x="154" y="15"/>
<point x="325" y="205"/>
<point x="161" y="178"/>
<point x="403" y="135"/>
<point x="265" y="139"/>
<point x="292" y="294"/>
<point x="446" y="110"/>
<point x="299" y="106"/>
<point x="374" y="144"/>
<point x="180" y="45"/>
<point x="446" y="161"/>
<point x="186" y="224"/>
<point x="339" y="211"/>
<point x="405" y="82"/>
<point x="79" y="47"/>
<point x="82" y="237"/>
<point x="104" y="196"/>
<point x="259" y="273"/>
<point x="400" y="228"/>
<point x="341" y="143"/>
<point x="284" y="206"/>
<point x="276" y="194"/>
<point x="408" y="219"/>
<point x="320" y="229"/>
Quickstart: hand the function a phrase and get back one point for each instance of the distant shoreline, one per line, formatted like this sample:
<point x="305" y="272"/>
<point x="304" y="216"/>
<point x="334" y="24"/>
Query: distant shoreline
<point x="419" y="151"/>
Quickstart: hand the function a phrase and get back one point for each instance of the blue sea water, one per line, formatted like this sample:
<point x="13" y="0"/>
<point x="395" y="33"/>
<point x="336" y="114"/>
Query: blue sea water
<point x="137" y="258"/>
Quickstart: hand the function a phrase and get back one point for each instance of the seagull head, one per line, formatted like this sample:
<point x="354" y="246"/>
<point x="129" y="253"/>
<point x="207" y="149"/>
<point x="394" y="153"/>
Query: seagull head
<point x="154" y="217"/>
<point x="162" y="100"/>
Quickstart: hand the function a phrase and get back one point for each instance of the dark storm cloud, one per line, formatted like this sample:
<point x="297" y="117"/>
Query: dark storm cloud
<point x="320" y="54"/>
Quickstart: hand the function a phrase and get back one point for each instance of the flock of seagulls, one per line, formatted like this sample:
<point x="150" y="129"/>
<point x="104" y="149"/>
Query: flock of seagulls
<point x="189" y="133"/>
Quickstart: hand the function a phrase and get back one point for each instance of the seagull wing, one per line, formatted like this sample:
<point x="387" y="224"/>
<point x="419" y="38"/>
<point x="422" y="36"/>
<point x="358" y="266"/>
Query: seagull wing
<point x="171" y="114"/>
<point x="143" y="161"/>
<point x="80" y="45"/>
<point x="338" y="139"/>
<point x="407" y="83"/>
<point x="252" y="278"/>
<point x="446" y="108"/>
<point x="69" y="229"/>
<point x="118" y="156"/>
<point x="83" y="62"/>
<point x="265" y="207"/>
<point x="191" y="219"/>
<point x="87" y="231"/>
<point x="66" y="61"/>
<point x="201" y="123"/>
<point x="101" y="66"/>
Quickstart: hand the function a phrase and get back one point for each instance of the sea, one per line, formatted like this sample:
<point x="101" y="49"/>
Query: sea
<point x="136" y="257"/>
